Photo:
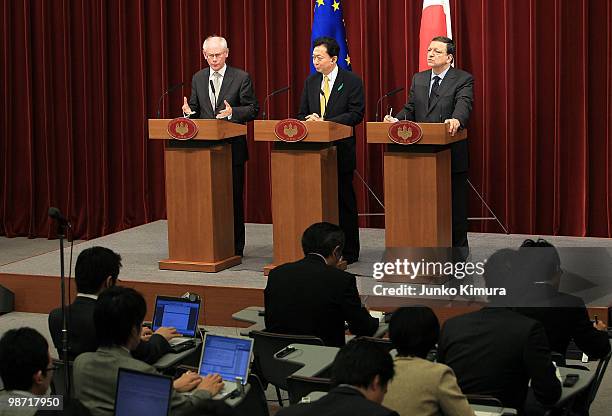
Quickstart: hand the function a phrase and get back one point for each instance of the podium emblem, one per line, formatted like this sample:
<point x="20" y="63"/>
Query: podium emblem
<point x="405" y="132"/>
<point x="290" y="130"/>
<point x="182" y="128"/>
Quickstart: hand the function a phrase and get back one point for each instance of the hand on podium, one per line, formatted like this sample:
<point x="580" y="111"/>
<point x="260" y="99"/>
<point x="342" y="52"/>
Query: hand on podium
<point x="453" y="125"/>
<point x="390" y="119"/>
<point x="314" y="117"/>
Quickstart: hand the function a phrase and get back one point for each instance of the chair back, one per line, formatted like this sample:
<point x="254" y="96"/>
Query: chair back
<point x="484" y="400"/>
<point x="299" y="386"/>
<point x="267" y="344"/>
<point x="599" y="374"/>
<point x="385" y="344"/>
<point x="58" y="384"/>
<point x="255" y="402"/>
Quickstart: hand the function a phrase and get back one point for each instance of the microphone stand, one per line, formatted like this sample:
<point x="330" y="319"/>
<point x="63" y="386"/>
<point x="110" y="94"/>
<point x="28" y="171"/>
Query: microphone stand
<point x="61" y="234"/>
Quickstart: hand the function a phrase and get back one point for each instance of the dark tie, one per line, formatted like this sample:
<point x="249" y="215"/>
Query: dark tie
<point x="434" y="88"/>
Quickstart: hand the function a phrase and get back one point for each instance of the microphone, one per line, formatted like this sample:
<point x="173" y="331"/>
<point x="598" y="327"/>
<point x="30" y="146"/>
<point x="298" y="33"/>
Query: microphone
<point x="168" y="91"/>
<point x="55" y="214"/>
<point x="212" y="88"/>
<point x="323" y="95"/>
<point x="273" y="93"/>
<point x="389" y="94"/>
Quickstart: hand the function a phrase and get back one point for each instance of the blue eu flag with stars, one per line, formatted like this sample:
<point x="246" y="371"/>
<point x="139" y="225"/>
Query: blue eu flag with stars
<point x="328" y="21"/>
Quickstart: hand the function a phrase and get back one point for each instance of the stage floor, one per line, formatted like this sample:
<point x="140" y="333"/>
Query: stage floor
<point x="143" y="246"/>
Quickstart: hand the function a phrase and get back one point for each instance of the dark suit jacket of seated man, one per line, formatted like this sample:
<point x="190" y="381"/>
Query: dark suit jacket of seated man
<point x="308" y="297"/>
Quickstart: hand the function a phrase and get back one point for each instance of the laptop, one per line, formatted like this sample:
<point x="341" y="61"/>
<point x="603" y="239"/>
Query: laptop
<point x="230" y="358"/>
<point x="142" y="394"/>
<point x="180" y="313"/>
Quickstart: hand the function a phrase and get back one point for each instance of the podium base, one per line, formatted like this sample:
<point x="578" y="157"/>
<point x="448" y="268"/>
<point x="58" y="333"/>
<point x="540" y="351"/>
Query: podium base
<point x="200" y="266"/>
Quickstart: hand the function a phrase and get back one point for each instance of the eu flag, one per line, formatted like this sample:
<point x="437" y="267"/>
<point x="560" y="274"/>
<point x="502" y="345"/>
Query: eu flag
<point x="328" y="21"/>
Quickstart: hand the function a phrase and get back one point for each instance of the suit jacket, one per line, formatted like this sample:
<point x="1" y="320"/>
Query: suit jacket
<point x="345" y="106"/>
<point x="423" y="388"/>
<point x="341" y="401"/>
<point x="453" y="100"/>
<point x="95" y="382"/>
<point x="82" y="333"/>
<point x="564" y="318"/>
<point x="308" y="297"/>
<point x="496" y="351"/>
<point x="237" y="90"/>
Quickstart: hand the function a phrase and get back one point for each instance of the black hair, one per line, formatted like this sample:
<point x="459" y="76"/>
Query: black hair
<point x="322" y="238"/>
<point x="539" y="260"/>
<point x="118" y="311"/>
<point x="93" y="266"/>
<point x="414" y="330"/>
<point x="450" y="44"/>
<point x="23" y="353"/>
<point x="330" y="44"/>
<point x="359" y="361"/>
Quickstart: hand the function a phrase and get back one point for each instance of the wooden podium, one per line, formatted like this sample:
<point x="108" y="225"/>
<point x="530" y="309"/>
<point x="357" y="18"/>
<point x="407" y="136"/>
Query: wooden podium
<point x="418" y="203"/>
<point x="199" y="198"/>
<point x="304" y="183"/>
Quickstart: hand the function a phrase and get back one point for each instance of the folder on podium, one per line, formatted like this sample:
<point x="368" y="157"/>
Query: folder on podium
<point x="304" y="183"/>
<point x="199" y="196"/>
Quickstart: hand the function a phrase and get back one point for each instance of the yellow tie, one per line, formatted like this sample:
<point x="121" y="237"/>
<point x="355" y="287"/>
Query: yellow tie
<point x="326" y="93"/>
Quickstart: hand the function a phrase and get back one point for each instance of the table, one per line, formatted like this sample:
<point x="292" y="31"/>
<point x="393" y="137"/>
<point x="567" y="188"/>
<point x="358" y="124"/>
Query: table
<point x="172" y="359"/>
<point x="315" y="359"/>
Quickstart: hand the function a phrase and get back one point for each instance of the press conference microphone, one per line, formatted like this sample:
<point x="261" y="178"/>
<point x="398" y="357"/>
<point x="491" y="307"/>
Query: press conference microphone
<point x="389" y="94"/>
<point x="168" y="91"/>
<point x="212" y="88"/>
<point x="273" y="93"/>
<point x="55" y="214"/>
<point x="323" y="95"/>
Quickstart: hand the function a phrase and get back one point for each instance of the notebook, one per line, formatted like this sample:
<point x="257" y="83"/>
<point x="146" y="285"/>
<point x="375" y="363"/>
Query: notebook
<point x="180" y="313"/>
<point x="230" y="358"/>
<point x="142" y="394"/>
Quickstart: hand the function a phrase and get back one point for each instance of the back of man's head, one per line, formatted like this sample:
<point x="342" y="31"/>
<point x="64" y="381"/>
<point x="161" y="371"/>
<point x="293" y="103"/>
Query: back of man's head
<point x="502" y="270"/>
<point x="93" y="266"/>
<point x="118" y="311"/>
<point x="23" y="353"/>
<point x="414" y="330"/>
<point x="359" y="362"/>
<point x="322" y="238"/>
<point x="540" y="260"/>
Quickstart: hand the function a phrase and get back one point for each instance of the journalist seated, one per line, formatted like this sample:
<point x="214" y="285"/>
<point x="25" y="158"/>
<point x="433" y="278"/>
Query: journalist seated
<point x="26" y="370"/>
<point x="118" y="317"/>
<point x="97" y="268"/>
<point x="361" y="372"/>
<point x="312" y="296"/>
<point x="421" y="387"/>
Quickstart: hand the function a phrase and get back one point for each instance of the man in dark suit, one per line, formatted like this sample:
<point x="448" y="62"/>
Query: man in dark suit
<point x="333" y="94"/>
<point x="97" y="268"/>
<point x="223" y="92"/>
<point x="360" y="372"/>
<point x="444" y="94"/>
<point x="564" y="316"/>
<point x="312" y="296"/>
<point x="496" y="351"/>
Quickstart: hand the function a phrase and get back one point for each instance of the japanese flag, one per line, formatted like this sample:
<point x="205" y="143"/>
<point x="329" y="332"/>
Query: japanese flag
<point x="435" y="21"/>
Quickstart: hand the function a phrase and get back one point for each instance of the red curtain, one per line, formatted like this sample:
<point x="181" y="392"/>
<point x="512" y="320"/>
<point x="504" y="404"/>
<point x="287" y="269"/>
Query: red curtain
<point x="80" y="78"/>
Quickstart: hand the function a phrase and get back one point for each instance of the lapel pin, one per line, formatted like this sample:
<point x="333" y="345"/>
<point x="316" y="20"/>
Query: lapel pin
<point x="340" y="87"/>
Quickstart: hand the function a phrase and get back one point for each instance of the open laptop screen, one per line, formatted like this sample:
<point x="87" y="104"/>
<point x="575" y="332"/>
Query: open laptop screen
<point x="227" y="356"/>
<point x="142" y="394"/>
<point x="179" y="313"/>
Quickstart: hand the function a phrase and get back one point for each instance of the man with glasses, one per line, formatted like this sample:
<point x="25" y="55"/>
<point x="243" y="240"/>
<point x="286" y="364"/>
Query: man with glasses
<point x="26" y="370"/>
<point x="224" y="92"/>
<point x="333" y="94"/>
<point x="444" y="94"/>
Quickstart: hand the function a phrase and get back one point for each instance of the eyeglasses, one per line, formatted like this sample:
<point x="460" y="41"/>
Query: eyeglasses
<point x="52" y="368"/>
<point x="318" y="58"/>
